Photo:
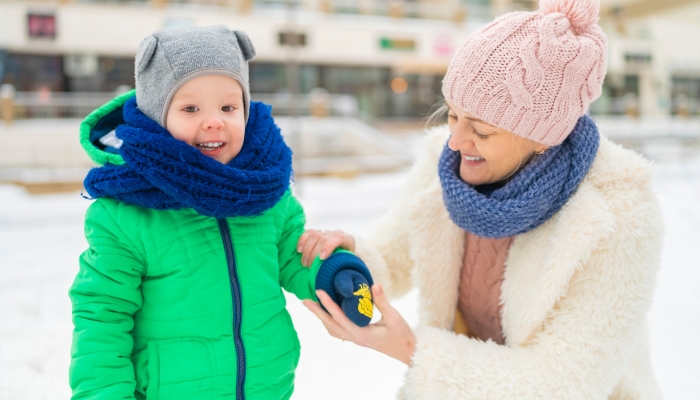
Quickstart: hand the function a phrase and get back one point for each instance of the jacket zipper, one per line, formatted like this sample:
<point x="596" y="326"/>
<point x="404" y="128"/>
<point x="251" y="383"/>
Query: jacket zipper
<point x="237" y="313"/>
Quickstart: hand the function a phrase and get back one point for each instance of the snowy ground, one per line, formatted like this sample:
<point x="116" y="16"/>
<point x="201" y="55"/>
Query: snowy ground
<point x="41" y="238"/>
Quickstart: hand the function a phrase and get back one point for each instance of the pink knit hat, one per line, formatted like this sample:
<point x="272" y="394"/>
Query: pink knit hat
<point x="532" y="73"/>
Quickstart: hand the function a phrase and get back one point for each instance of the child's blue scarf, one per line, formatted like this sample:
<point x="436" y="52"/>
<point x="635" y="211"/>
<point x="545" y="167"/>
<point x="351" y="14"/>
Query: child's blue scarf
<point x="163" y="173"/>
<point x="530" y="197"/>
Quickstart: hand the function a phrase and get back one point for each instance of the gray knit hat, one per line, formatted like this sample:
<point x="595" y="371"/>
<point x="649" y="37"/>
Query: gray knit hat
<point x="169" y="58"/>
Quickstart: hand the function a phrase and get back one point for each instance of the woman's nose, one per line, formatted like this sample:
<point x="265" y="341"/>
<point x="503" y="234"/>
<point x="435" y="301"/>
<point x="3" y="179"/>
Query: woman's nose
<point x="458" y="141"/>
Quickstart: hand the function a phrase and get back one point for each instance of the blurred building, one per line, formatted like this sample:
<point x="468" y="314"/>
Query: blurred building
<point x="654" y="59"/>
<point x="389" y="54"/>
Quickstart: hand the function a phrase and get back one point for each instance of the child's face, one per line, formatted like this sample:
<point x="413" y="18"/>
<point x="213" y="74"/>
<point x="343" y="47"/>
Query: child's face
<point x="208" y="113"/>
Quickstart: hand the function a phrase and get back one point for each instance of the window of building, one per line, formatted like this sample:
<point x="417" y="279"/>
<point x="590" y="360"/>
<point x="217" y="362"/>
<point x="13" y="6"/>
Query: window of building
<point x="28" y="72"/>
<point x="685" y="95"/>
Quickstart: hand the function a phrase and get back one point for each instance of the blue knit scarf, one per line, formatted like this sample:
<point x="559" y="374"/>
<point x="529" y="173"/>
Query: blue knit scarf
<point x="530" y="197"/>
<point x="163" y="173"/>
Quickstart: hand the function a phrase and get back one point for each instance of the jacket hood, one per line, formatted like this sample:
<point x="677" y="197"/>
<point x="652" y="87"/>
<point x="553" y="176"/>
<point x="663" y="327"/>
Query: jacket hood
<point x="100" y="125"/>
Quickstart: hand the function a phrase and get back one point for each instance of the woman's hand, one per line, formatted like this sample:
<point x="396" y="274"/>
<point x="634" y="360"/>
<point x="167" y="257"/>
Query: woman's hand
<point x="314" y="242"/>
<point x="391" y="335"/>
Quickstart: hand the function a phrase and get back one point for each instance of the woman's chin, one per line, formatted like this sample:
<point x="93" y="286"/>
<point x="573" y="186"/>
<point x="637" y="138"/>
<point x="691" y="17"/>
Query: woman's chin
<point x="474" y="182"/>
<point x="471" y="178"/>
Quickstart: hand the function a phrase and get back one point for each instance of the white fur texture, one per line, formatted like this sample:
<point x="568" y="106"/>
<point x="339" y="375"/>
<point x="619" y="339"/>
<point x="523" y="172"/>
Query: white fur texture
<point x="575" y="294"/>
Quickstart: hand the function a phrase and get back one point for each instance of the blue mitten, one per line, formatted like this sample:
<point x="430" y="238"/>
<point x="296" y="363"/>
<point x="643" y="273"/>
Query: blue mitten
<point x="356" y="297"/>
<point x="347" y="280"/>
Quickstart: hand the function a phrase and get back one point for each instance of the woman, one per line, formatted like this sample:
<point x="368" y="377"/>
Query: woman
<point x="534" y="241"/>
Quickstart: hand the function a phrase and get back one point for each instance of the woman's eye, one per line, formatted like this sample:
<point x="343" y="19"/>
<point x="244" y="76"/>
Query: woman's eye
<point x="190" y="109"/>
<point x="228" y="108"/>
<point x="452" y="117"/>
<point x="481" y="135"/>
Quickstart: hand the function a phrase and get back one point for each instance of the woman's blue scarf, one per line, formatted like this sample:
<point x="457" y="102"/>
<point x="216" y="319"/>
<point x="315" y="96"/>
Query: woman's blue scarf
<point x="530" y="197"/>
<point x="163" y="173"/>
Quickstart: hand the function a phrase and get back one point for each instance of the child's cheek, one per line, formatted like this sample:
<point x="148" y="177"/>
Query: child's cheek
<point x="238" y="142"/>
<point x="183" y="134"/>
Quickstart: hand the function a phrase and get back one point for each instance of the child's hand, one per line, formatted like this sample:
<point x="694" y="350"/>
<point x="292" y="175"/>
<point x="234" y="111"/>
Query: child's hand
<point x="356" y="298"/>
<point x="314" y="242"/>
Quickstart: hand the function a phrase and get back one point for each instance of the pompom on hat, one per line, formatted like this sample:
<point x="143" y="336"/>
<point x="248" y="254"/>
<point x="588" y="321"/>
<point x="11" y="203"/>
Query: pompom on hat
<point x="532" y="73"/>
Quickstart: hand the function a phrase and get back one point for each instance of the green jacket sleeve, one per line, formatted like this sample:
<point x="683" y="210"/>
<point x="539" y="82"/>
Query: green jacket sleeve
<point x="294" y="277"/>
<point x="105" y="295"/>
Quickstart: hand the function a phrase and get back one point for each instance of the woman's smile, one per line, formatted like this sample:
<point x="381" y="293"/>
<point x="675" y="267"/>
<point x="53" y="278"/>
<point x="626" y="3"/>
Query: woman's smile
<point x="472" y="161"/>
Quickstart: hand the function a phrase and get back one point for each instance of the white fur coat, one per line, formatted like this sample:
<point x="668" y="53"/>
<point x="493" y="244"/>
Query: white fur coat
<point x="575" y="293"/>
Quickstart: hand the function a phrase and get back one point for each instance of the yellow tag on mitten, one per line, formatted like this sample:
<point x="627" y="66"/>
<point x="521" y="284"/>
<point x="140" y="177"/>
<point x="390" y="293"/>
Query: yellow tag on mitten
<point x="364" y="305"/>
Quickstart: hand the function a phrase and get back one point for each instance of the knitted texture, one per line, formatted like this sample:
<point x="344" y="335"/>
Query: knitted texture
<point x="532" y="73"/>
<point x="356" y="297"/>
<point x="532" y="195"/>
<point x="169" y="58"/>
<point x="334" y="274"/>
<point x="166" y="174"/>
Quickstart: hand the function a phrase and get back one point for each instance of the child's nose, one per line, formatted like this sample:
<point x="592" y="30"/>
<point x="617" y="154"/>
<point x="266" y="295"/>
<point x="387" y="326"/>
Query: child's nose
<point x="214" y="123"/>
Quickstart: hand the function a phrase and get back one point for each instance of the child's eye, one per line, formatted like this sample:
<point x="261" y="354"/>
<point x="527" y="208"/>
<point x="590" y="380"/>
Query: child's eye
<point x="481" y="135"/>
<point x="452" y="117"/>
<point x="228" y="108"/>
<point x="190" y="109"/>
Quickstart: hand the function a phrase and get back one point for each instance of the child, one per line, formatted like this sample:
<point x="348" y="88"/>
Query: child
<point x="193" y="235"/>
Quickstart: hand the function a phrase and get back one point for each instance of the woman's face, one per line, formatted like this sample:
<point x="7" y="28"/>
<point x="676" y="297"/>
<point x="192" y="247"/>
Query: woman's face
<point x="489" y="154"/>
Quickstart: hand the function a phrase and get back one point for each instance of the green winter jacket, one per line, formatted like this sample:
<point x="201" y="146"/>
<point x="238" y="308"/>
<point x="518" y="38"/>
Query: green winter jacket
<point x="176" y="305"/>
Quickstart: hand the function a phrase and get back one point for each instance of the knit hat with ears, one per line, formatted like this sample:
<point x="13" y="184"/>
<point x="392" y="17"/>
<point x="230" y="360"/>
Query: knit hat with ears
<point x="532" y="73"/>
<point x="169" y="58"/>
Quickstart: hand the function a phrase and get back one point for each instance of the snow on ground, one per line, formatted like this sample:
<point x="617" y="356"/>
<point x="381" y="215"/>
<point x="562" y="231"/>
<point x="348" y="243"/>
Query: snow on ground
<point x="41" y="238"/>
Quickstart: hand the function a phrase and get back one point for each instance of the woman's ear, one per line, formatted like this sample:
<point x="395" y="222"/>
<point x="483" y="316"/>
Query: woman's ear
<point x="245" y="44"/>
<point x="145" y="52"/>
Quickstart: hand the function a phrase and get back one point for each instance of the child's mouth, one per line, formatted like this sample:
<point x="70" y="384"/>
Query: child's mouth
<point x="211" y="148"/>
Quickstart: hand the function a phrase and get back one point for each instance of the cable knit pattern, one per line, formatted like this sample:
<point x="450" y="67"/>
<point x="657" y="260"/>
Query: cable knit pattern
<point x="532" y="73"/>
<point x="164" y="173"/>
<point x="531" y="197"/>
